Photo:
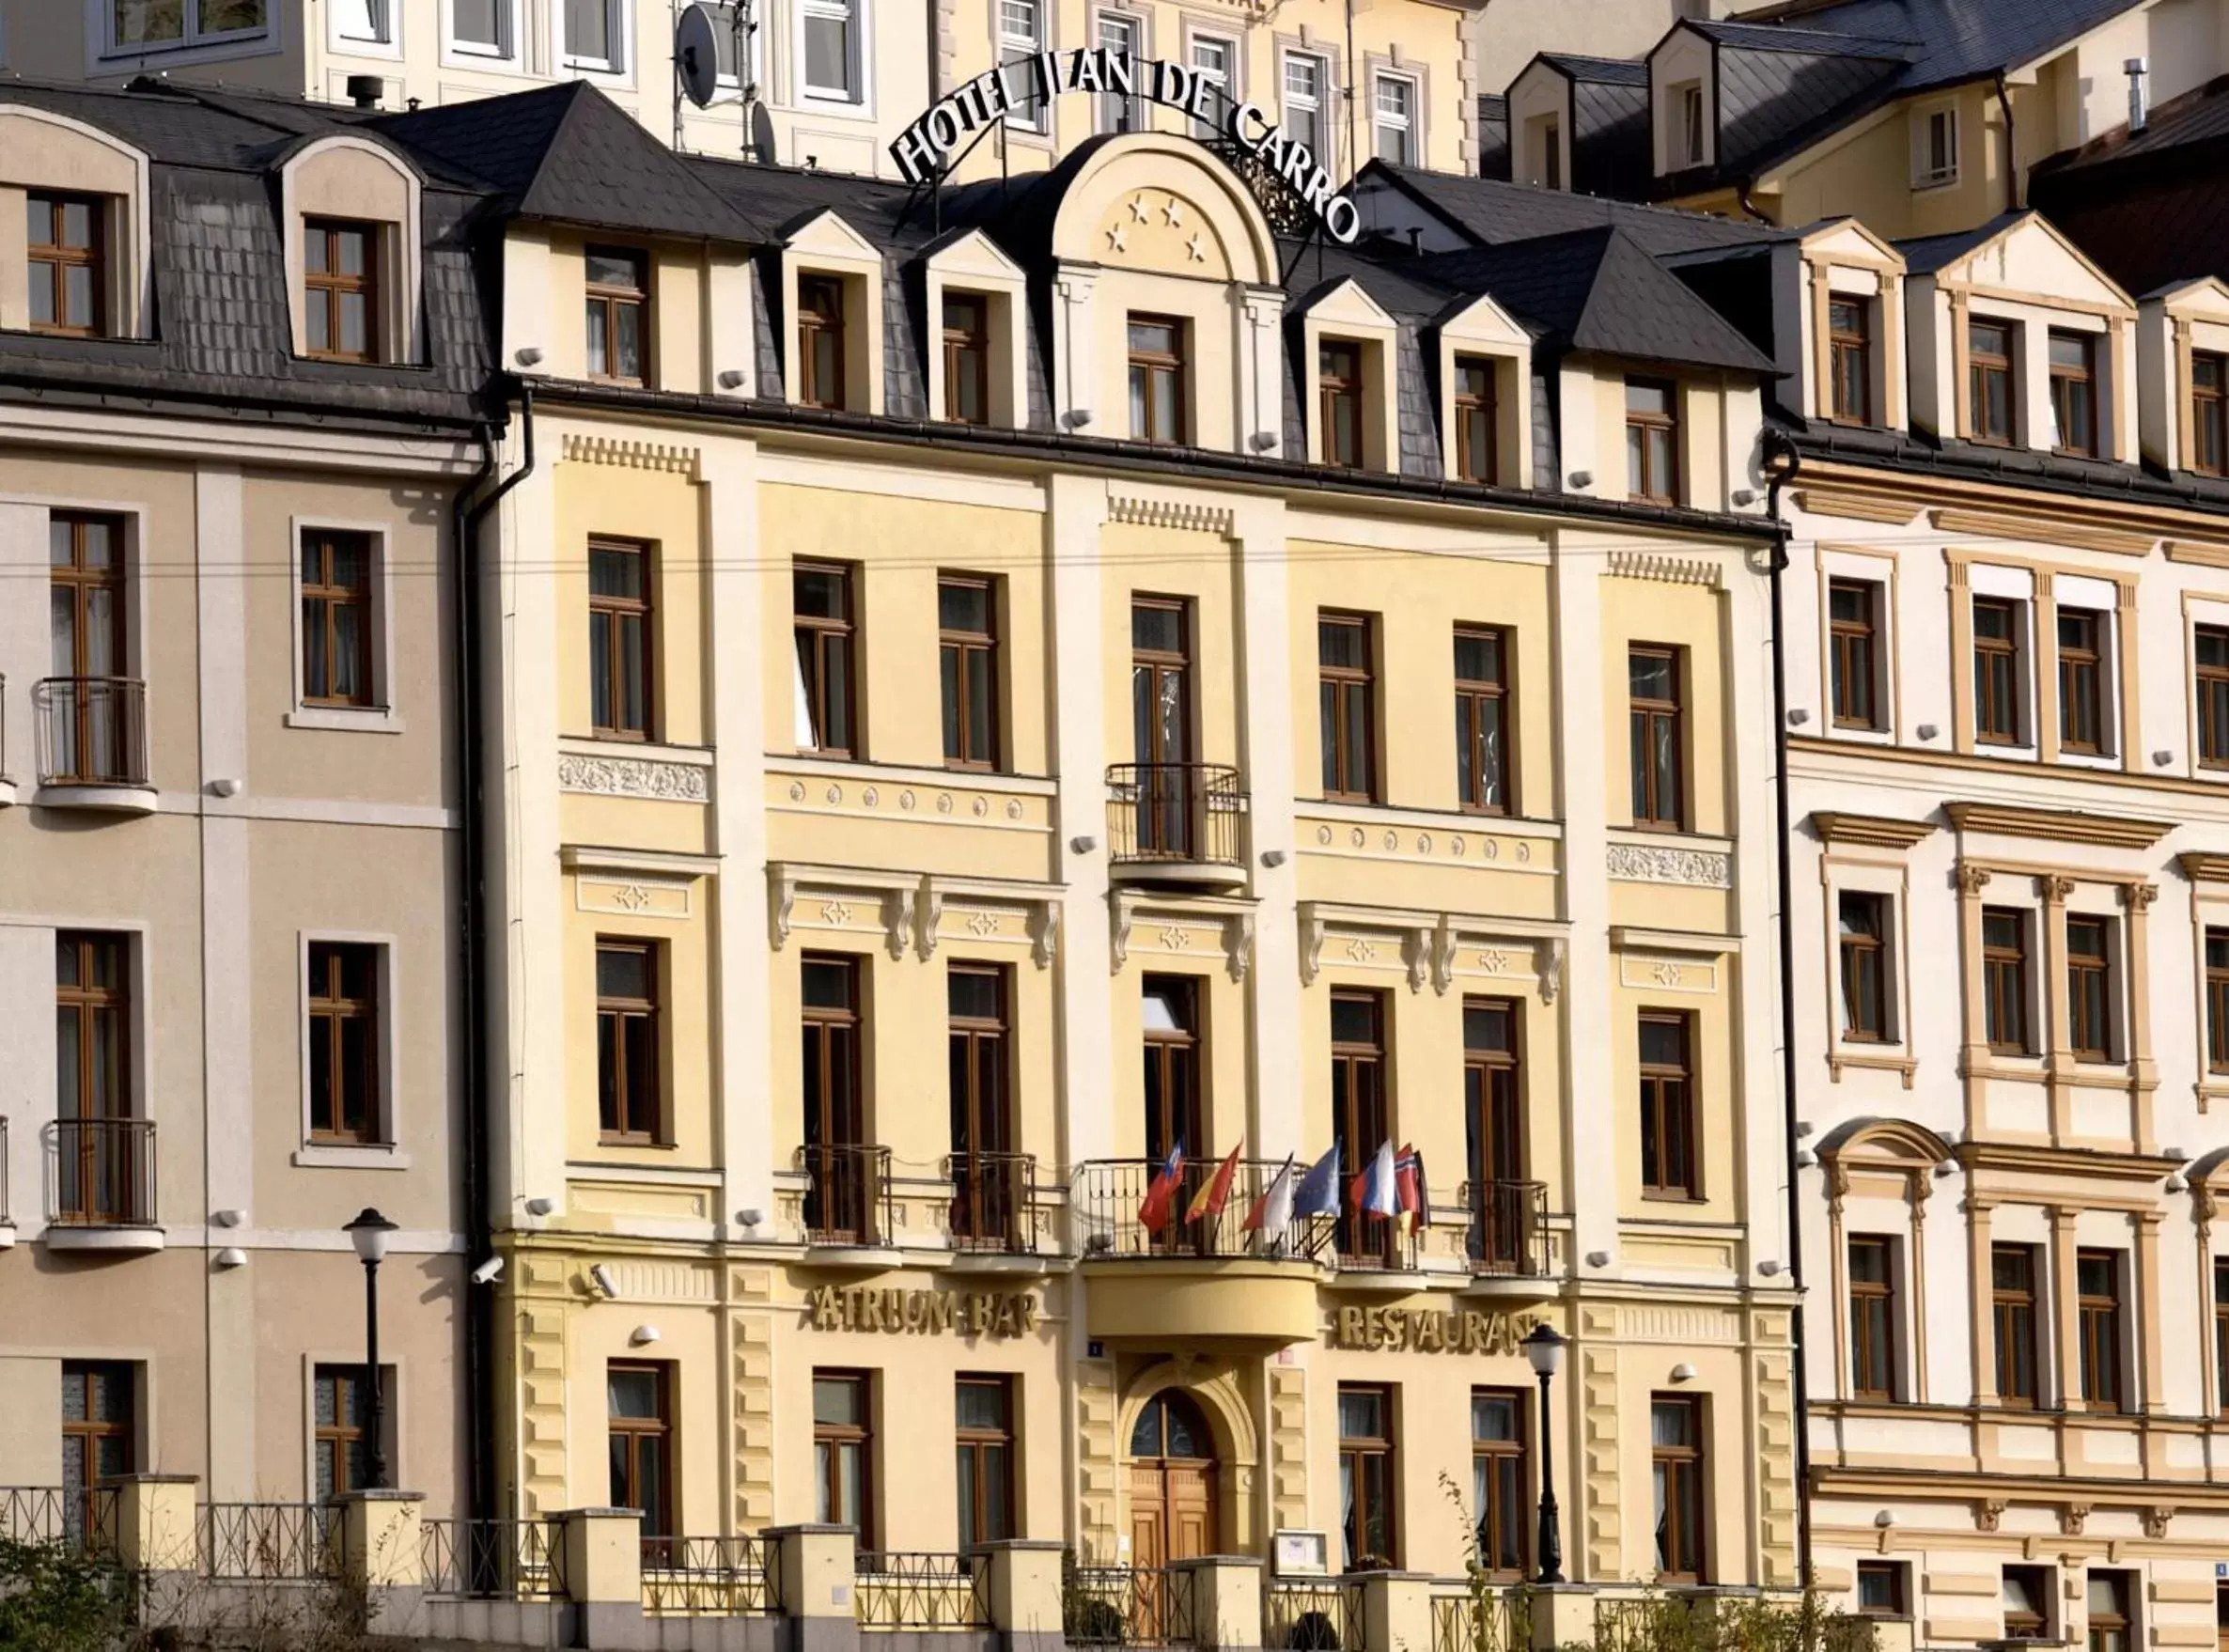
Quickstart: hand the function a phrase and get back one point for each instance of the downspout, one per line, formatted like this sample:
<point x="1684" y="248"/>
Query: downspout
<point x="1780" y="460"/>
<point x="479" y="1320"/>
<point x="1741" y="198"/>
<point x="2012" y="148"/>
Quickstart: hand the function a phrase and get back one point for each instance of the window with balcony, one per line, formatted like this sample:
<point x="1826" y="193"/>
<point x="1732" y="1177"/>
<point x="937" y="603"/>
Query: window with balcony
<point x="1853" y="622"/>
<point x="820" y="341"/>
<point x="99" y="1434"/>
<point x="620" y="583"/>
<point x="1157" y="375"/>
<point x="618" y="315"/>
<point x="842" y="1193"/>
<point x="1882" y="1591"/>
<point x="2028" y="1603"/>
<point x="2209" y="647"/>
<point x="2209" y="412"/>
<point x="1862" y="940"/>
<point x="2091" y="988"/>
<point x="2107" y="1597"/>
<point x="2074" y="393"/>
<point x="337" y="617"/>
<point x="1120" y="35"/>
<point x="1174" y="1043"/>
<point x="1501" y="1480"/>
<point x="1339" y="402"/>
<point x="985" y="1197"/>
<point x="2097" y="1318"/>
<point x="825" y="637"/>
<point x="985" y="1440"/>
<point x="1657" y="714"/>
<point x="628" y="1091"/>
<point x="844" y="1451"/>
<point x="2000" y="671"/>
<point x="142" y="25"/>
<point x="1872" y="1318"/>
<point x="103" y="1164"/>
<point x="1478" y="419"/>
<point x="1020" y="37"/>
<point x="1346" y="694"/>
<point x="1652" y="440"/>
<point x="340" y="280"/>
<point x="1991" y="348"/>
<point x="2004" y="980"/>
<point x="1668" y="1158"/>
<point x="1368" y="1476"/>
<point x="1165" y="784"/>
<point x="344" y="1043"/>
<point x="1849" y="350"/>
<point x="967" y="358"/>
<point x="1302" y="109"/>
<point x="1482" y="719"/>
<point x="1502" y="1212"/>
<point x="833" y="50"/>
<point x="1361" y="1114"/>
<point x="639" y="1423"/>
<point x="67" y="266"/>
<point x="2015" y="1322"/>
<point x="967" y="668"/>
<point x="92" y="715"/>
<point x="1393" y="124"/>
<point x="1678" y="1467"/>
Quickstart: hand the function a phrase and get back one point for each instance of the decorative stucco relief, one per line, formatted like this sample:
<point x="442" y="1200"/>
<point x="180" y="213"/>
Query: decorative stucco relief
<point x="1644" y="863"/>
<point x="643" y="777"/>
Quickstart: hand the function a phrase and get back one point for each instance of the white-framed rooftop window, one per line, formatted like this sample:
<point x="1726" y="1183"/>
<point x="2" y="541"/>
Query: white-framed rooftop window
<point x="1934" y="146"/>
<point x="1020" y="37"/>
<point x="480" y="29"/>
<point x="1393" y="119"/>
<point x="1690" y="145"/>
<point x="1124" y="36"/>
<point x="361" y="24"/>
<point x="832" y="47"/>
<point x="1305" y="92"/>
<point x="592" y="35"/>
<point x="134" y="26"/>
<point x="1215" y="59"/>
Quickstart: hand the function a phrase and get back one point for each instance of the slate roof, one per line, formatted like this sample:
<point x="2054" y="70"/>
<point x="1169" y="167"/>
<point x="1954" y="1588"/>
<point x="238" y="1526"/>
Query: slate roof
<point x="2149" y="206"/>
<point x="1614" y="71"/>
<point x="1492" y="212"/>
<point x="1926" y="254"/>
<point x="1494" y="135"/>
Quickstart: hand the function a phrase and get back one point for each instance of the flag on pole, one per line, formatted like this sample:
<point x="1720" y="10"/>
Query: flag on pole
<point x="1373" y="1190"/>
<point x="1319" y="1193"/>
<point x="1410" y="1190"/>
<point x="1273" y="1211"/>
<point x="1153" y="1212"/>
<point x="1216" y="1193"/>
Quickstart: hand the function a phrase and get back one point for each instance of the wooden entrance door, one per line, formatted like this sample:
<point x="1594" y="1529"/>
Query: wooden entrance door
<point x="1171" y="1502"/>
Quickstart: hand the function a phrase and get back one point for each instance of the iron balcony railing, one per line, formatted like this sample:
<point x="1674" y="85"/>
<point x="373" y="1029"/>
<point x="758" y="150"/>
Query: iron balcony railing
<point x="92" y="730"/>
<point x="847" y="1193"/>
<point x="995" y="1201"/>
<point x="1128" y="1606"/>
<point x="717" y="1576"/>
<point x="1173" y="812"/>
<point x="1491" y="1620"/>
<point x="270" y="1542"/>
<point x="921" y="1591"/>
<point x="1508" y="1233"/>
<point x="1107" y="1197"/>
<point x="80" y="1518"/>
<point x="104" y="1172"/>
<point x="1312" y="1615"/>
<point x="494" y="1559"/>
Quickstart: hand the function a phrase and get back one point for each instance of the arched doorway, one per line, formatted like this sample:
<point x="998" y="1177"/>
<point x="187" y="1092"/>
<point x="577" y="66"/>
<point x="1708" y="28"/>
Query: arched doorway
<point x="1172" y="1482"/>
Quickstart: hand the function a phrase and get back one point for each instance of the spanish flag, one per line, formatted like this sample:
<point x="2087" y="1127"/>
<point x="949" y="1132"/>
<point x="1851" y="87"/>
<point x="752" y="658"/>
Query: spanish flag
<point x="1216" y="1193"/>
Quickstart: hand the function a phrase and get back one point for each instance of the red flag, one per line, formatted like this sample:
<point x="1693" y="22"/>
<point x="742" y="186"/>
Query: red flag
<point x="1409" y="1187"/>
<point x="1211" y="1198"/>
<point x="1153" y="1213"/>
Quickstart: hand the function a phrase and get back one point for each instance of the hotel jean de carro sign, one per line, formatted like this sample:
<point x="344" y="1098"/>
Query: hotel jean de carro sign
<point x="922" y="151"/>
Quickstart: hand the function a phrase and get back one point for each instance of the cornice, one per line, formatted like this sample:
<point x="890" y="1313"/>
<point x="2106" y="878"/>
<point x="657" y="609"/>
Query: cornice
<point x="2010" y="510"/>
<point x="2201" y="868"/>
<point x="1876" y="830"/>
<point x="2056" y="825"/>
<point x="1856" y="507"/>
<point x="2034" y="1160"/>
<point x="2000" y="524"/>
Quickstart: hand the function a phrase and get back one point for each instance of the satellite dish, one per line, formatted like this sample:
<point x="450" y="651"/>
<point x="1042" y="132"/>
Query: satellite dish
<point x="696" y="56"/>
<point x="762" y="134"/>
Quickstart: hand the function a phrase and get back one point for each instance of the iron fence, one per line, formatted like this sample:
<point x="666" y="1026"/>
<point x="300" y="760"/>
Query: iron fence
<point x="1128" y="1606"/>
<point x="1497" y="1620"/>
<point x="847" y="1193"/>
<point x="919" y="1590"/>
<point x="494" y="1559"/>
<point x="82" y="1517"/>
<point x="104" y="1172"/>
<point x="1108" y="1197"/>
<point x="1180" y="812"/>
<point x="269" y="1542"/>
<point x="727" y="1576"/>
<point x="1312" y="1615"/>
<point x="1508" y="1233"/>
<point x="92" y="730"/>
<point x="995" y="1201"/>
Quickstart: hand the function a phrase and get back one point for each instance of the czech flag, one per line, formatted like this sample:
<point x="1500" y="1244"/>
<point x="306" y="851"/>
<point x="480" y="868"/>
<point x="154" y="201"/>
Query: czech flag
<point x="1373" y="1188"/>
<point x="1409" y="1191"/>
<point x="1153" y="1213"/>
<point x="1213" y="1197"/>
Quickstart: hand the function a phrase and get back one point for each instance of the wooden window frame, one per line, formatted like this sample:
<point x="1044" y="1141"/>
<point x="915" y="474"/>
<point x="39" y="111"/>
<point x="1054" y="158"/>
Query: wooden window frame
<point x="2098" y="1324"/>
<point x="90" y="1001"/>
<point x="1494" y="1525"/>
<point x="1984" y="365"/>
<point x="2209" y="412"/>
<point x="1874" y="1373"/>
<point x="1669" y="1111"/>
<point x="328" y="287"/>
<point x="1677" y="1463"/>
<point x="2069" y="382"/>
<point x="52" y="260"/>
<point x="1182" y="1083"/>
<point x="1339" y="370"/>
<point x="1644" y="717"/>
<point x="1472" y="696"/>
<point x="815" y="319"/>
<point x="975" y="1033"/>
<point x="1864" y="961"/>
<point x="607" y="617"/>
<point x="1855" y="648"/>
<point x="2016" y="1322"/>
<point x="1482" y="407"/>
<point x="1362" y="1069"/>
<point x="2081" y="680"/>
<point x="2037" y="1583"/>
<point x="612" y="298"/>
<point x="324" y="597"/>
<point x="2216" y="997"/>
<point x="83" y="578"/>
<point x="2006" y="984"/>
<point x="1154" y="363"/>
<point x="85" y="1434"/>
<point x="2221" y="1285"/>
<point x="1995" y="724"/>
<point x="1341" y="684"/>
<point x="834" y="1116"/>
<point x="1899" y="1604"/>
<point x="2212" y="690"/>
<point x="958" y="342"/>
<point x="820" y="628"/>
<point x="2111" y="1630"/>
<point x="1844" y="344"/>
<point x="962" y="647"/>
<point x="1354" y="1451"/>
<point x="2090" y="1032"/>
<point x="1499" y="1073"/>
<point x="658" y="1433"/>
<point x="343" y="1434"/>
<point x="973" y="1444"/>
<point x="827" y="1485"/>
<point x="1650" y="490"/>
<point x="327" y="1002"/>
<point x="632" y="1019"/>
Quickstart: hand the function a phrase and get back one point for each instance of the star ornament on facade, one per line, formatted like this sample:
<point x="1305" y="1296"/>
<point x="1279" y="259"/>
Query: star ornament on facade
<point x="1198" y="253"/>
<point x="1137" y="209"/>
<point x="1174" y="213"/>
<point x="1114" y="236"/>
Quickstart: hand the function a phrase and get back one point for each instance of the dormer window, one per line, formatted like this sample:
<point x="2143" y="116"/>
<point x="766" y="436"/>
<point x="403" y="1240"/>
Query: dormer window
<point x="1546" y="132"/>
<point x="820" y="341"/>
<point x="1476" y="415"/>
<point x="1155" y="379"/>
<point x="1935" y="148"/>
<point x="618" y="314"/>
<point x="341" y="282"/>
<point x="1652" y="440"/>
<point x="967" y="358"/>
<point x="2074" y="393"/>
<point x="67" y="278"/>
<point x="1850" y="344"/>
<point x="2209" y="412"/>
<point x="1687" y="110"/>
<point x="1339" y="401"/>
<point x="1990" y="381"/>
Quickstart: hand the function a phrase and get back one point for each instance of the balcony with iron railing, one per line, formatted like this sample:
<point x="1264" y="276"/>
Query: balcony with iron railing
<point x="1175" y="823"/>
<point x="1508" y="1236"/>
<point x="101" y="1185"/>
<point x="92" y="743"/>
<point x="994" y="1206"/>
<point x="847" y="1204"/>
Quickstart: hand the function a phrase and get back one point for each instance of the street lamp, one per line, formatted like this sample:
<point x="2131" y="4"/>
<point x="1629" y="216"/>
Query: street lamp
<point x="1544" y="1348"/>
<point x="368" y="1234"/>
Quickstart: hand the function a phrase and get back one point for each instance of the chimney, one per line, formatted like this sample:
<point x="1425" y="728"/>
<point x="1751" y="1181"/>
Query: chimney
<point x="365" y="90"/>
<point x="2138" y="116"/>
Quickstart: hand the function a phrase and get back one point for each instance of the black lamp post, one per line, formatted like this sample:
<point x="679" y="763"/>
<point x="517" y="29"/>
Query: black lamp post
<point x="1544" y="1348"/>
<point x="368" y="1233"/>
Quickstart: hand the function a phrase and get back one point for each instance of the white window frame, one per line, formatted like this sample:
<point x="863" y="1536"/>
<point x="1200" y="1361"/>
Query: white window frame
<point x="382" y="716"/>
<point x="858" y="95"/>
<point x="2101" y="598"/>
<point x="1405" y="124"/>
<point x="192" y="38"/>
<point x="386" y="42"/>
<point x="1688" y="110"/>
<point x="619" y="24"/>
<point x="1133" y="25"/>
<point x="1010" y="47"/>
<point x="2018" y="587"/>
<point x="1879" y="572"/>
<point x="470" y="54"/>
<point x="1318" y="109"/>
<point x="1226" y="79"/>
<point x="1925" y="174"/>
<point x="382" y="1155"/>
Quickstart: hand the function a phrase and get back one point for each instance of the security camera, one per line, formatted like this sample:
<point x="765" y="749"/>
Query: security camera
<point x="602" y="1276"/>
<point x="488" y="1272"/>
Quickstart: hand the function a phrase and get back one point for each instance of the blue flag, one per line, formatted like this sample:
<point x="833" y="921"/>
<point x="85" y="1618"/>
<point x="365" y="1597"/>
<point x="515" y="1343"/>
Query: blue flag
<point x="1319" y="1193"/>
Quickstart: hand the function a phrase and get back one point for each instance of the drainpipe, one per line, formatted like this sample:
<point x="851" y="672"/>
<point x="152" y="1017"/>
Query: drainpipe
<point x="2012" y="148"/>
<point x="1780" y="460"/>
<point x="1741" y="199"/>
<point x="471" y="507"/>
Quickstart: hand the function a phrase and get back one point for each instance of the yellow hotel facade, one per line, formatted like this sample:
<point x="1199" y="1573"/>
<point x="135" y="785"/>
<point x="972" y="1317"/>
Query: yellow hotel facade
<point x="912" y="829"/>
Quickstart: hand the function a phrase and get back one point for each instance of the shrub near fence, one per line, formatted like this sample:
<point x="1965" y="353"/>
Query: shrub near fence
<point x="1127" y="1606"/>
<point x="269" y="1542"/>
<point x="1677" y="1623"/>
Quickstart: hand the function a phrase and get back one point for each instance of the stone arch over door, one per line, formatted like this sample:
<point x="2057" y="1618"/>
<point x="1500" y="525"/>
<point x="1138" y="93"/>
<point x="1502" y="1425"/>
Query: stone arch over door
<point x="1220" y="1397"/>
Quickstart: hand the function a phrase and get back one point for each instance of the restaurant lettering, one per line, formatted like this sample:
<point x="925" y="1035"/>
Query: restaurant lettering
<point x="923" y="151"/>
<point x="923" y="1312"/>
<point x="1424" y="1331"/>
